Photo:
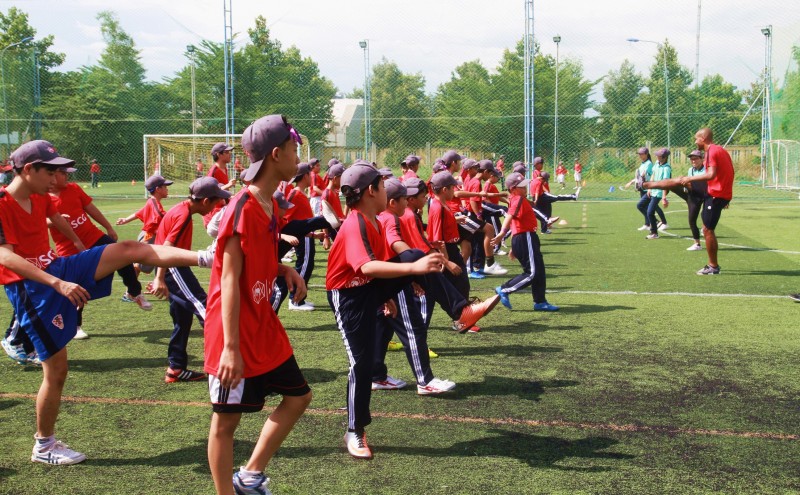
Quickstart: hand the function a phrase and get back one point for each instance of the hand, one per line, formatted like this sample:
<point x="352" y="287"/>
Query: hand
<point x="390" y="309"/>
<point x="121" y="221"/>
<point x="76" y="294"/>
<point x="231" y="183"/>
<point x="666" y="203"/>
<point x="296" y="284"/>
<point x="437" y="244"/>
<point x="317" y="235"/>
<point x="684" y="180"/>
<point x="453" y="268"/>
<point x="231" y="368"/>
<point x="160" y="289"/>
<point x="433" y="262"/>
<point x="80" y="247"/>
<point x="112" y="234"/>
<point x="511" y="255"/>
<point x="292" y="240"/>
<point x="461" y="219"/>
<point x="497" y="240"/>
<point x="326" y="243"/>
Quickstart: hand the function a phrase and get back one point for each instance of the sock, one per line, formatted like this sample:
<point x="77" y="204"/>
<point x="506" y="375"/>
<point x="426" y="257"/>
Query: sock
<point x="43" y="443"/>
<point x="489" y="260"/>
<point x="249" y="477"/>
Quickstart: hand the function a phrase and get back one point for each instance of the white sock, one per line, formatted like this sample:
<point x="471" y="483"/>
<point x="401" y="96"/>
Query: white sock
<point x="44" y="443"/>
<point x="248" y="477"/>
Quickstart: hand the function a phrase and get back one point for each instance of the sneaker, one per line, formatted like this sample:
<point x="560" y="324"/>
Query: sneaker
<point x="58" y="453"/>
<point x="639" y="181"/>
<point x="205" y="258"/>
<point x="474" y="329"/>
<point x="652" y="236"/>
<point x="257" y="486"/>
<point x="577" y="193"/>
<point x="126" y="298"/>
<point x="33" y="358"/>
<point x="81" y="335"/>
<point x="140" y="301"/>
<point x="15" y="352"/>
<point x="695" y="247"/>
<point x="545" y="306"/>
<point x="394" y="346"/>
<point x="301" y="307"/>
<point x="495" y="269"/>
<point x="436" y="386"/>
<point x="644" y="227"/>
<point x="552" y="220"/>
<point x="457" y="328"/>
<point x="474" y="312"/>
<point x="357" y="445"/>
<point x="390" y="383"/>
<point x="432" y="354"/>
<point x="500" y="252"/>
<point x="173" y="376"/>
<point x="477" y="275"/>
<point x="794" y="297"/>
<point x="662" y="226"/>
<point x="287" y="259"/>
<point x="503" y="297"/>
<point x="329" y="215"/>
<point x="708" y="270"/>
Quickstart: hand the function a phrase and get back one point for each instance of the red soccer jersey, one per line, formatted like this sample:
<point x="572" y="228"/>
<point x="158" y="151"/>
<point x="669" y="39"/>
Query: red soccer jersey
<point x="720" y="186"/>
<point x="537" y="186"/>
<point x="26" y="232"/>
<point x="95" y="168"/>
<point x="262" y="339"/>
<point x="316" y="181"/>
<point x="578" y="168"/>
<point x="176" y="227"/>
<point x="332" y="197"/>
<point x="442" y="225"/>
<point x="489" y="187"/>
<point x="302" y="206"/>
<point x="392" y="232"/>
<point x="71" y="201"/>
<point x="285" y="187"/>
<point x="560" y="170"/>
<point x="408" y="174"/>
<point x="219" y="173"/>
<point x="151" y="214"/>
<point x="357" y="243"/>
<point x="412" y="231"/>
<point x="473" y="184"/>
<point x="523" y="219"/>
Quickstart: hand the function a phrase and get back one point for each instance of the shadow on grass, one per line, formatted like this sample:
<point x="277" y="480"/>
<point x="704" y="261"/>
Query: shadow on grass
<point x="782" y="273"/>
<point x="6" y="472"/>
<point x="528" y="327"/>
<point x="500" y="385"/>
<point x="116" y="364"/>
<point x="594" y="308"/>
<point x="194" y="455"/>
<point x="9" y="404"/>
<point x="506" y="350"/>
<point x="318" y="375"/>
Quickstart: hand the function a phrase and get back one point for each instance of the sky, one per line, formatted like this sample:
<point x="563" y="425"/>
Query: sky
<point x="433" y="37"/>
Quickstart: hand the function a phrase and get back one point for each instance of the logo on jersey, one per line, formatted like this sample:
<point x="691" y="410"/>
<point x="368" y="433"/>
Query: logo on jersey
<point x="259" y="292"/>
<point x="58" y="322"/>
<point x="43" y="261"/>
<point x="79" y="221"/>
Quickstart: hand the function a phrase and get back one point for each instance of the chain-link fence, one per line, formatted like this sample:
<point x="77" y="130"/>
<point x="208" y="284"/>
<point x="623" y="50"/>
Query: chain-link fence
<point x="102" y="111"/>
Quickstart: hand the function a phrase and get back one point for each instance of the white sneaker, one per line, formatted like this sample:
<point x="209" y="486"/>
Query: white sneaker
<point x="15" y="352"/>
<point x="256" y="486"/>
<point x="141" y="302"/>
<point x="58" y="453"/>
<point x="301" y="307"/>
<point x="501" y="253"/>
<point x="357" y="445"/>
<point x="436" y="386"/>
<point x="662" y="226"/>
<point x="644" y="227"/>
<point x="33" y="358"/>
<point x="205" y="258"/>
<point x="391" y="383"/>
<point x="81" y="335"/>
<point x="695" y="247"/>
<point x="495" y="269"/>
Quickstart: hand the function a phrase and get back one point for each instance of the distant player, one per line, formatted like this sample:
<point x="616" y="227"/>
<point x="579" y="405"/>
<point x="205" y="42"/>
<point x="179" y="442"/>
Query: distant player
<point x="94" y="170"/>
<point x="561" y="174"/>
<point x="578" y="174"/>
<point x="151" y="213"/>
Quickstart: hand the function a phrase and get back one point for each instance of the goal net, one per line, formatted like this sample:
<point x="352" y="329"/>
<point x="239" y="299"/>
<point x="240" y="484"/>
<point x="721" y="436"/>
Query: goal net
<point x="781" y="169"/>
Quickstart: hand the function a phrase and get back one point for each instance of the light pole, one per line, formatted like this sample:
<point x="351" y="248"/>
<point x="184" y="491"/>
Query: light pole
<point x="666" y="75"/>
<point x="557" y="41"/>
<point x="3" y="82"/>
<point x="766" y="108"/>
<point x="364" y="44"/>
<point x="190" y="50"/>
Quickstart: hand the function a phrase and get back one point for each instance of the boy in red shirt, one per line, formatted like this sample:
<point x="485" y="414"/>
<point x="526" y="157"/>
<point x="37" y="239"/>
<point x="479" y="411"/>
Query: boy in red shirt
<point x="561" y="174"/>
<point x="331" y="204"/>
<point x="521" y="221"/>
<point x="221" y="153"/>
<point x="303" y="211"/>
<point x="410" y="166"/>
<point x="45" y="289"/>
<point x="316" y="186"/>
<point x="482" y="249"/>
<point x="94" y="169"/>
<point x="77" y="208"/>
<point x="578" y="172"/>
<point x="543" y="200"/>
<point x="187" y="298"/>
<point x="151" y="213"/>
<point x="247" y="352"/>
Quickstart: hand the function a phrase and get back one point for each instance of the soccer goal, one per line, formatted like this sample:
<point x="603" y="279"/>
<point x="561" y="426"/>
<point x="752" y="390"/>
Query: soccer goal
<point x="782" y="170"/>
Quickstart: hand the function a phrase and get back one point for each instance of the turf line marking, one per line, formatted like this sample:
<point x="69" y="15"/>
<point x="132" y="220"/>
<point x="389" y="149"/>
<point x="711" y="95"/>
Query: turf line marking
<point x="736" y="246"/>
<point x="681" y="294"/>
<point x="665" y="430"/>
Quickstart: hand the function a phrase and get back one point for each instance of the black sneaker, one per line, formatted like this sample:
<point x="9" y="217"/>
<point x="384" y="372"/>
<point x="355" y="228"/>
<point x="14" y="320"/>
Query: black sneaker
<point x="173" y="376"/>
<point x="709" y="270"/>
<point x="794" y="297"/>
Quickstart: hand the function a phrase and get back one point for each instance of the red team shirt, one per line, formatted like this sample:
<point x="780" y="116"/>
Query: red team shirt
<point x="442" y="225"/>
<point x="473" y="184"/>
<point x="413" y="232"/>
<point x="722" y="185"/>
<point x="537" y="186"/>
<point x="176" y="226"/>
<point x="219" y="173"/>
<point x="72" y="201"/>
<point x="262" y="338"/>
<point x="317" y="181"/>
<point x="523" y="219"/>
<point x="491" y="188"/>
<point x="392" y="231"/>
<point x="26" y="232"/>
<point x="409" y="174"/>
<point x="332" y="197"/>
<point x="151" y="214"/>
<point x="357" y="243"/>
<point x="302" y="206"/>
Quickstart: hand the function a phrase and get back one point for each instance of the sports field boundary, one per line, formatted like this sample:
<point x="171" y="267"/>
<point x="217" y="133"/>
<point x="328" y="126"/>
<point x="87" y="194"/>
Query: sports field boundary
<point x="624" y="428"/>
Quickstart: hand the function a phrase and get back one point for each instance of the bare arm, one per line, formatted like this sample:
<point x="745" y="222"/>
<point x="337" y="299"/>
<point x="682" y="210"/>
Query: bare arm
<point x="385" y="269"/>
<point x="98" y="216"/>
<point x="710" y="173"/>
<point x="160" y="282"/>
<point x="231" y="365"/>
<point x="61" y="224"/>
<point x="76" y="294"/>
<point x="400" y="246"/>
<point x="503" y="230"/>
<point x="128" y="219"/>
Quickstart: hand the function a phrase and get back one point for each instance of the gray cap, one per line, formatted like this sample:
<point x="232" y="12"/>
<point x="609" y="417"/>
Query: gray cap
<point x="332" y="162"/>
<point x="450" y="157"/>
<point x="443" y="179"/>
<point x="386" y="172"/>
<point x="336" y="170"/>
<point x="439" y="166"/>
<point x="414" y="186"/>
<point x="411" y="159"/>
<point x="313" y="161"/>
<point x="357" y="177"/>
<point x="663" y="152"/>
<point x="545" y="176"/>
<point x="261" y="137"/>
<point x="394" y="188"/>
<point x="39" y="151"/>
<point x="302" y="169"/>
<point x="696" y="154"/>
<point x="516" y="180"/>
<point x="468" y="163"/>
<point x="207" y="187"/>
<point x="155" y="181"/>
<point x="220" y="147"/>
<point x="283" y="203"/>
<point x="486" y="165"/>
<point x="538" y="160"/>
<point x="520" y="169"/>
<point x="643" y="151"/>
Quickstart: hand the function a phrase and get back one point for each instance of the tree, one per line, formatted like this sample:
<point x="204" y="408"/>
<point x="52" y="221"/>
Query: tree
<point x="786" y="111"/>
<point x="621" y="88"/>
<point x="463" y="108"/>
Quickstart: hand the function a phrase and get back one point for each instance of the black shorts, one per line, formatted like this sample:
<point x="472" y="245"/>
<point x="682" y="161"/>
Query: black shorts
<point x="712" y="210"/>
<point x="249" y="396"/>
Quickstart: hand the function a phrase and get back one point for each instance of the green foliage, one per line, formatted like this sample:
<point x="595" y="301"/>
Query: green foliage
<point x="401" y="110"/>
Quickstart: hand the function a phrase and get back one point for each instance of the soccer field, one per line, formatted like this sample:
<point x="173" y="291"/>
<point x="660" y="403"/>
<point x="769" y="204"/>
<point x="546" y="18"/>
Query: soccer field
<point x="650" y="379"/>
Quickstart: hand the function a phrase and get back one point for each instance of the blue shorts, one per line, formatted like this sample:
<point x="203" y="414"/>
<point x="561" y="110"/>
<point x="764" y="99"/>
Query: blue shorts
<point x="49" y="318"/>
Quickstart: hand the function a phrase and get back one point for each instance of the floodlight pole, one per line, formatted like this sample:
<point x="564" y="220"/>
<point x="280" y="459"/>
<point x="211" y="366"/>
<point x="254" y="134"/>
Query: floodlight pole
<point x="228" y="62"/>
<point x="37" y="96"/>
<point x="3" y="83"/>
<point x="530" y="52"/>
<point x="766" y="107"/>
<point x="364" y="44"/>
<point x="190" y="50"/>
<point x="663" y="49"/>
<point x="557" y="40"/>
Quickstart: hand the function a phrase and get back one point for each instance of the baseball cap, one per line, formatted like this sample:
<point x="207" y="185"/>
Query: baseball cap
<point x="486" y="165"/>
<point x="663" y="152"/>
<point x="220" y="147"/>
<point x="450" y="157"/>
<point x="468" y="163"/>
<point x="68" y="170"/>
<point x="313" y="161"/>
<point x="394" y="188"/>
<point x="386" y="172"/>
<point x="439" y="166"/>
<point x="302" y="169"/>
<point x="414" y="186"/>
<point x="411" y="159"/>
<point x="357" y="177"/>
<point x="545" y="176"/>
<point x="207" y="188"/>
<point x="282" y="201"/>
<point x="643" y="150"/>
<point x="520" y="169"/>
<point x="155" y="181"/>
<point x="39" y="151"/>
<point x="332" y="162"/>
<point x="538" y="159"/>
<point x="336" y="170"/>
<point x="696" y="154"/>
<point x="443" y="179"/>
<point x="261" y="137"/>
<point x="516" y="180"/>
